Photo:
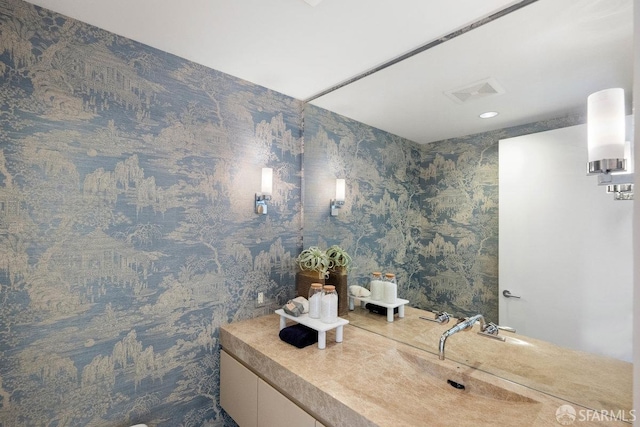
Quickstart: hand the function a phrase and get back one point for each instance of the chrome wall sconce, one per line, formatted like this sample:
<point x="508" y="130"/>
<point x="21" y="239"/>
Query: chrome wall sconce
<point x="265" y="193"/>
<point x="610" y="156"/>
<point x="338" y="202"/>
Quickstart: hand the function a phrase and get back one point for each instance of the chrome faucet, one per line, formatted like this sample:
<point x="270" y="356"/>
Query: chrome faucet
<point x="486" y="329"/>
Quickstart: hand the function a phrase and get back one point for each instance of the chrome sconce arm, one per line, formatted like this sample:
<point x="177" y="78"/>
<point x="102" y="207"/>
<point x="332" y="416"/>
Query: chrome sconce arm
<point x="264" y="196"/>
<point x="338" y="202"/>
<point x="335" y="205"/>
<point x="261" y="203"/>
<point x="621" y="185"/>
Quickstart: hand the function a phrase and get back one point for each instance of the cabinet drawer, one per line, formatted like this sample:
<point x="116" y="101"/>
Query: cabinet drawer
<point x="276" y="410"/>
<point x="238" y="391"/>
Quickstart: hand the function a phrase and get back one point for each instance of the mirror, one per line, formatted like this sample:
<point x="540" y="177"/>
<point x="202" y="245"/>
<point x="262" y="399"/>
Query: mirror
<point x="576" y="235"/>
<point x="429" y="213"/>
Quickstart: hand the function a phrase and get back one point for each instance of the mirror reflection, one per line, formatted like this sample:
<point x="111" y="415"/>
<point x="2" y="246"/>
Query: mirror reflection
<point x="422" y="170"/>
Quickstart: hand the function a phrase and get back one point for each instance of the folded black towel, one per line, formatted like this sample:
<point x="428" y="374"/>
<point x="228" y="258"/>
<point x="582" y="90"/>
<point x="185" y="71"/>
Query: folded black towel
<point x="299" y="335"/>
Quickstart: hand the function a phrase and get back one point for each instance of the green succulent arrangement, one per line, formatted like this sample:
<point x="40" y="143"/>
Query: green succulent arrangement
<point x="339" y="257"/>
<point x="315" y="259"/>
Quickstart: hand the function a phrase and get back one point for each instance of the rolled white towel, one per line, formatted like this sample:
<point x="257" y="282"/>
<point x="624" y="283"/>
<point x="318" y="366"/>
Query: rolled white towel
<point x="304" y="302"/>
<point x="359" y="291"/>
<point x="297" y="306"/>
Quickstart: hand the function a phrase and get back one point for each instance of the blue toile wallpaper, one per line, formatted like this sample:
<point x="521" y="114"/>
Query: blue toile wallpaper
<point x="428" y="213"/>
<point x="127" y="230"/>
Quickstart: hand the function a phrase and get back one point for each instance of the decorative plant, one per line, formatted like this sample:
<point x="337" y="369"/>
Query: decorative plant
<point x="339" y="257"/>
<point x="314" y="259"/>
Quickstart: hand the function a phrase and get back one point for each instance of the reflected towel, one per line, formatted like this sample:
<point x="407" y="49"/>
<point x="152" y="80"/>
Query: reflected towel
<point x="299" y="335"/>
<point x="379" y="310"/>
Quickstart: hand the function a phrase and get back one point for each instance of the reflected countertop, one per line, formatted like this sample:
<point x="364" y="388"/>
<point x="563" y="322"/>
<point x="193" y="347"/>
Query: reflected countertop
<point x="372" y="378"/>
<point x="597" y="382"/>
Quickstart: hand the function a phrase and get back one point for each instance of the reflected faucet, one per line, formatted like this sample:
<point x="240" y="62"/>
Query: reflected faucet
<point x="441" y="317"/>
<point x="486" y="329"/>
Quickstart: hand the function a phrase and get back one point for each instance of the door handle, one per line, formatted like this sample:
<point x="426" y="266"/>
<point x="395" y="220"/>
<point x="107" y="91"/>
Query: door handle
<point x="508" y="294"/>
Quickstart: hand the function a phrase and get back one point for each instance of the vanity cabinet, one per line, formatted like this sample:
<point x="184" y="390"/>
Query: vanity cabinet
<point x="251" y="402"/>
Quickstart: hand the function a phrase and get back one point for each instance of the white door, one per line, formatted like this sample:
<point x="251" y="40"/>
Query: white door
<point x="565" y="246"/>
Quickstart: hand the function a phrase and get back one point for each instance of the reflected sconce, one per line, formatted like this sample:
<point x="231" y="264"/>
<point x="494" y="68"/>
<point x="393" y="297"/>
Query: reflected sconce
<point x="338" y="202"/>
<point x="610" y="156"/>
<point x="265" y="195"/>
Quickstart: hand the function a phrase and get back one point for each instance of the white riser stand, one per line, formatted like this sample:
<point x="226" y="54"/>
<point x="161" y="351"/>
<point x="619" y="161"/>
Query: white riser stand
<point x="400" y="303"/>
<point x="316" y="324"/>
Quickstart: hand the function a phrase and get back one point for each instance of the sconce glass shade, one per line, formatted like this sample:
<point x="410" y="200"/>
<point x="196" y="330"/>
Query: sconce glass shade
<point x="267" y="181"/>
<point x="610" y="156"/>
<point x="340" y="190"/>
<point x="606" y="125"/>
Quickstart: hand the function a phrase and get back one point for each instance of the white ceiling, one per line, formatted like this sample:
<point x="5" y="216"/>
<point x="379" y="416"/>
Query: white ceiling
<point x="550" y="53"/>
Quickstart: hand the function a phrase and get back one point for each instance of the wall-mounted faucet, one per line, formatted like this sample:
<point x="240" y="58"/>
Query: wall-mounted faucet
<point x="486" y="329"/>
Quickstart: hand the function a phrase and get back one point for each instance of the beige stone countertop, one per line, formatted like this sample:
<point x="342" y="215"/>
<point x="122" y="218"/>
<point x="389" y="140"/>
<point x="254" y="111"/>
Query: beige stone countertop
<point x="372" y="380"/>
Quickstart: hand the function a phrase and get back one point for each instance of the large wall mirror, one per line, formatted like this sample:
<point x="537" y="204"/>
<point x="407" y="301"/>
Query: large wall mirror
<point x="422" y="168"/>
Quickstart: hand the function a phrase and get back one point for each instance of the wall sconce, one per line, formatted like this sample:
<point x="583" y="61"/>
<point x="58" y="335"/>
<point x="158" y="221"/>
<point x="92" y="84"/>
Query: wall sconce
<point x="265" y="194"/>
<point x="338" y="202"/>
<point x="610" y="157"/>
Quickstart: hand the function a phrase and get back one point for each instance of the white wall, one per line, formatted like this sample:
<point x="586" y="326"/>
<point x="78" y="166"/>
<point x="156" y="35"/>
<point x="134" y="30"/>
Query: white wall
<point x="565" y="246"/>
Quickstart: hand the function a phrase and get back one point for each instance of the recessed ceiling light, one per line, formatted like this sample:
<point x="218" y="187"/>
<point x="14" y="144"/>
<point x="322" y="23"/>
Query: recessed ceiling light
<point x="488" y="114"/>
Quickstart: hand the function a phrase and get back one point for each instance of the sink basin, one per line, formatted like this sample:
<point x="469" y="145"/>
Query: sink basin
<point x="424" y="386"/>
<point x="459" y="380"/>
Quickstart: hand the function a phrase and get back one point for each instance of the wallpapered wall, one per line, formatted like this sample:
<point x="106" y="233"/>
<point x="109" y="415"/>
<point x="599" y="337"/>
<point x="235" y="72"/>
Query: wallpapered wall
<point x="127" y="231"/>
<point x="428" y="213"/>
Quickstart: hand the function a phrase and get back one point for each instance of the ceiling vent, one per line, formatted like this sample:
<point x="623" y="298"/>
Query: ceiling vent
<point x="478" y="90"/>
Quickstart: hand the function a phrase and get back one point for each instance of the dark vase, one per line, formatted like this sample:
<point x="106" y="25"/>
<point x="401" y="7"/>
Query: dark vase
<point x="304" y="279"/>
<point x="338" y="278"/>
